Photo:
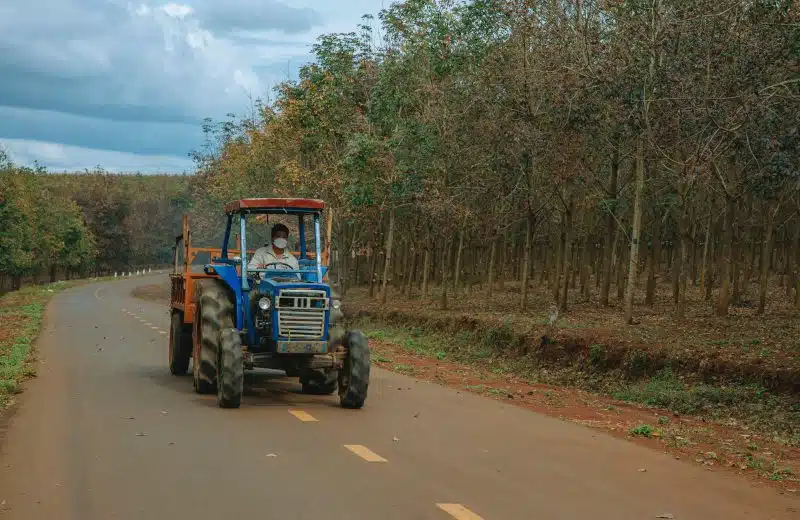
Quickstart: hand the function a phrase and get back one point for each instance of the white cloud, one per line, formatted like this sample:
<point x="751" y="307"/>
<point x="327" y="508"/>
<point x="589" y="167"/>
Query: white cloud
<point x="58" y="158"/>
<point x="177" y="10"/>
<point x="143" y="73"/>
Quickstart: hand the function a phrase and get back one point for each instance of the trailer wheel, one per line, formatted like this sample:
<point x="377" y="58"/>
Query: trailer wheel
<point x="230" y="368"/>
<point x="180" y="346"/>
<point x="354" y="375"/>
<point x="318" y="382"/>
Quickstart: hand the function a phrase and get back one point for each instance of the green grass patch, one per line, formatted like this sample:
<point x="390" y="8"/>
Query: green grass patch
<point x="751" y="403"/>
<point x="643" y="430"/>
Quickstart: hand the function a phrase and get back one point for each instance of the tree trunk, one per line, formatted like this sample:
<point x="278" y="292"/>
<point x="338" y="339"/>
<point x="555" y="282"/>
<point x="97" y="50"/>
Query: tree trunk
<point x="610" y="231"/>
<point x="683" y="268"/>
<point x="586" y="262"/>
<point x="559" y="266"/>
<point x="676" y="268"/>
<point x="373" y="268"/>
<point x="693" y="252"/>
<point x="704" y="267"/>
<point x="736" y="266"/>
<point x="576" y="264"/>
<point x="388" y="260"/>
<point x="723" y="299"/>
<point x="793" y="259"/>
<point x="598" y="268"/>
<point x="567" y="251"/>
<point x="412" y="262"/>
<point x="492" y="255"/>
<point x="635" y="234"/>
<point x="766" y="259"/>
<point x="712" y="252"/>
<point x="545" y="263"/>
<point x="343" y="281"/>
<point x="655" y="260"/>
<point x="526" y="261"/>
<point x="500" y="267"/>
<point x="621" y="265"/>
<point x="444" y="277"/>
<point x="457" y="280"/>
<point x="426" y="270"/>
<point x="796" y="257"/>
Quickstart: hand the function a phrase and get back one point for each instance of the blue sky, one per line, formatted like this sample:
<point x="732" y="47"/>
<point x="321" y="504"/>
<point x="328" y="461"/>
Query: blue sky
<point x="125" y="85"/>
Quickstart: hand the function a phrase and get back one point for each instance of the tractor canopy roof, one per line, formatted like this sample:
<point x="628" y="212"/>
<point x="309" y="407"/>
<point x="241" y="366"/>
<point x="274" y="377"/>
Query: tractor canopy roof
<point x="275" y="205"/>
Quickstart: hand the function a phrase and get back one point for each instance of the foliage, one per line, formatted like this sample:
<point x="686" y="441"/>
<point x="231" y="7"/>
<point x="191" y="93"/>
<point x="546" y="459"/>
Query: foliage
<point x="474" y="117"/>
<point x="71" y="224"/>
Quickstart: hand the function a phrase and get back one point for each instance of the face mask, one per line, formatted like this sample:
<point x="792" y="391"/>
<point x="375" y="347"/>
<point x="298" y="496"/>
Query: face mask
<point x="280" y="243"/>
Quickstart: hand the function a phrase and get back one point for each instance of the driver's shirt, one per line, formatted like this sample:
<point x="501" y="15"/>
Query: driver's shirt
<point x="266" y="255"/>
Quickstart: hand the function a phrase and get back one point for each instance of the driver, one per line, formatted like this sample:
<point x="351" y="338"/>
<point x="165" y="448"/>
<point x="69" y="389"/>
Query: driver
<point x="276" y="254"/>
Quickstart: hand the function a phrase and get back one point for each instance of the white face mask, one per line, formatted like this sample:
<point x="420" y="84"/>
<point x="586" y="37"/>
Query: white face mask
<point x="280" y="243"/>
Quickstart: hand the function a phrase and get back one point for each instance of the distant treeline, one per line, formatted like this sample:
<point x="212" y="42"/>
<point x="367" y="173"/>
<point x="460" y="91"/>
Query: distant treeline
<point x="55" y="226"/>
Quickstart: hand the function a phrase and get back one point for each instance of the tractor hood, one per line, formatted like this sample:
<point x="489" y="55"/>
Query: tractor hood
<point x="277" y="284"/>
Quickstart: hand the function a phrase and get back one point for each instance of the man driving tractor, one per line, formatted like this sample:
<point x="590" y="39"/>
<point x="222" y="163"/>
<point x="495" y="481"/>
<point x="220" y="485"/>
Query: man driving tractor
<point x="276" y="255"/>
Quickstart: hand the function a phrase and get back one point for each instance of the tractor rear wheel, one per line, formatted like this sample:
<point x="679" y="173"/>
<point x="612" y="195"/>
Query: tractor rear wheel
<point x="319" y="382"/>
<point x="230" y="368"/>
<point x="354" y="375"/>
<point x="180" y="346"/>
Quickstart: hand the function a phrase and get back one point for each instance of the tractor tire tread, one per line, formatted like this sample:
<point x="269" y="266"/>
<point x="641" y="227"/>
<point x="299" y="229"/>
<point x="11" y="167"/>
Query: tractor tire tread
<point x="357" y="367"/>
<point x="230" y="378"/>
<point x="214" y="310"/>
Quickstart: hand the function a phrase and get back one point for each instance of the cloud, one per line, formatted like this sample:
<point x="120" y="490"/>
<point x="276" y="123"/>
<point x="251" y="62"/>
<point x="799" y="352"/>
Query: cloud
<point x="139" y="76"/>
<point x="59" y="157"/>
<point x="120" y="61"/>
<point x="230" y="15"/>
<point x="144" y="137"/>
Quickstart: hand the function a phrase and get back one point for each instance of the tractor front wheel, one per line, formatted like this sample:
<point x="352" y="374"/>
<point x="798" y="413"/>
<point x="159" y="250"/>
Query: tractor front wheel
<point x="230" y="368"/>
<point x="354" y="375"/>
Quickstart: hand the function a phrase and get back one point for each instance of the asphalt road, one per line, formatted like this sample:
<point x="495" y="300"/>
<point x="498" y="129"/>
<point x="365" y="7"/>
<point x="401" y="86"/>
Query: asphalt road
<point x="105" y="432"/>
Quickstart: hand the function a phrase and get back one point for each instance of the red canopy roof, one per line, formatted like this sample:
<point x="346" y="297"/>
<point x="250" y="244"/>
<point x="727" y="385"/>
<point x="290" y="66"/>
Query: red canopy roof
<point x="275" y="204"/>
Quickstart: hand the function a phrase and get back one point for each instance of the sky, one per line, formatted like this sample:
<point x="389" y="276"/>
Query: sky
<point x="126" y="85"/>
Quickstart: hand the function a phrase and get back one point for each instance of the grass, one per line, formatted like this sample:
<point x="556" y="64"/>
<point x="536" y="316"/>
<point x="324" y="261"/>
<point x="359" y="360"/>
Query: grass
<point x="643" y="430"/>
<point x="21" y="314"/>
<point x="775" y="415"/>
<point x="751" y="403"/>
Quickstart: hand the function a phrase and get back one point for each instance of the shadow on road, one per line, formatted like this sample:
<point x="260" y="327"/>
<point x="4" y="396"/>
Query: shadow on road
<point x="262" y="388"/>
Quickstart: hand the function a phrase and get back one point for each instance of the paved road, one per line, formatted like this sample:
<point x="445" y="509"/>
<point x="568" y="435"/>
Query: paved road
<point x="106" y="433"/>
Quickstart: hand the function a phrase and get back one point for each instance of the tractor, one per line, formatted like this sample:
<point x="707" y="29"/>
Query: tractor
<point x="233" y="317"/>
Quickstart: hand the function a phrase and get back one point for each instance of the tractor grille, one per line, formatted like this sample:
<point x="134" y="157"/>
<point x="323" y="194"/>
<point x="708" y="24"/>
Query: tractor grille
<point x="301" y="313"/>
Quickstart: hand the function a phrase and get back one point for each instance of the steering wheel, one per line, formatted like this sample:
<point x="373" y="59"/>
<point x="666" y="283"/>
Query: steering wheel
<point x="291" y="267"/>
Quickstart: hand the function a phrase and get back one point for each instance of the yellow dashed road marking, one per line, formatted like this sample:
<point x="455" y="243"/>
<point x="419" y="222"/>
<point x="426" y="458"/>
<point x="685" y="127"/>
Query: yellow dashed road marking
<point x="154" y="327"/>
<point x="365" y="453"/>
<point x="161" y="332"/>
<point x="303" y="416"/>
<point x="458" y="512"/>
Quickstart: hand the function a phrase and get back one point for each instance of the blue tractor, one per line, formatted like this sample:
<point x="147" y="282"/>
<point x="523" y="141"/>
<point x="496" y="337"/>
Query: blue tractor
<point x="230" y="317"/>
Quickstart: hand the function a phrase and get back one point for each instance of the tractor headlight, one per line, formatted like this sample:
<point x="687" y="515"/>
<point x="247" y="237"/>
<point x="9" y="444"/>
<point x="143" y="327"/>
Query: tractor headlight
<point x="264" y="304"/>
<point x="336" y="304"/>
